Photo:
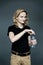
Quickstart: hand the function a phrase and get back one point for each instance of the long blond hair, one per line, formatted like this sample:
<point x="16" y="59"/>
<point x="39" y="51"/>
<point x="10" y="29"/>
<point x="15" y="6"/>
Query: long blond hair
<point x="16" y="14"/>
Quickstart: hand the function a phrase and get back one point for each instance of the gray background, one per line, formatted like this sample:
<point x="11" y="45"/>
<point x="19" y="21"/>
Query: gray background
<point x="35" y="10"/>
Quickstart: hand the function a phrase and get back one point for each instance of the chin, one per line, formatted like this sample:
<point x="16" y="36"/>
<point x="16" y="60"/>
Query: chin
<point x="22" y="23"/>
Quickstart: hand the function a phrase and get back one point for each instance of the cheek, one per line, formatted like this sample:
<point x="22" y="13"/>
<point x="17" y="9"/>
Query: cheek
<point x="20" y="19"/>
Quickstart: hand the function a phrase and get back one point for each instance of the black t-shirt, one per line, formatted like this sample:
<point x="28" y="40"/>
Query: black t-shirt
<point x="21" y="45"/>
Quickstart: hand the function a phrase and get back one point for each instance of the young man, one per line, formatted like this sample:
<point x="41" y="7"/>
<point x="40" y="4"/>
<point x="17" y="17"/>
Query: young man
<point x="19" y="35"/>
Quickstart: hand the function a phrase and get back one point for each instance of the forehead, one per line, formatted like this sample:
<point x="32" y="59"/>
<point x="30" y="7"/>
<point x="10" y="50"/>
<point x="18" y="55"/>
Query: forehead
<point x="22" y="14"/>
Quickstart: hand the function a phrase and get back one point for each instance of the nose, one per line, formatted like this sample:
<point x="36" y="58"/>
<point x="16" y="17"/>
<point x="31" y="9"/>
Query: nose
<point x="24" y="19"/>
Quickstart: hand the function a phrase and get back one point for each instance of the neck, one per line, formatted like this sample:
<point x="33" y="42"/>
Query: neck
<point x="20" y="25"/>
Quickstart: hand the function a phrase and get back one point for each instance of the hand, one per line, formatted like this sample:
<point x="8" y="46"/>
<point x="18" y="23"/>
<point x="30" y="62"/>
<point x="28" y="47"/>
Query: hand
<point x="30" y="31"/>
<point x="33" y="42"/>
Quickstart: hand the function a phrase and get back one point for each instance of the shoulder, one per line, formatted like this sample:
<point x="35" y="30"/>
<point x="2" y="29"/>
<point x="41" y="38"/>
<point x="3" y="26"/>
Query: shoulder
<point x="11" y="27"/>
<point x="28" y="27"/>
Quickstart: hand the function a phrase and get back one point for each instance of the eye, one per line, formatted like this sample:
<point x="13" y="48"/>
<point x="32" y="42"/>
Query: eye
<point x="21" y="16"/>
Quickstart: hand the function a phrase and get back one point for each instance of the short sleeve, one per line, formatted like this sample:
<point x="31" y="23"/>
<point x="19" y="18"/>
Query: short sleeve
<point x="10" y="28"/>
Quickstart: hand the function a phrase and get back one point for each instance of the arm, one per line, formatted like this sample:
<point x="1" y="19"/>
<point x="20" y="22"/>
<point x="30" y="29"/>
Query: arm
<point x="14" y="38"/>
<point x="29" y="40"/>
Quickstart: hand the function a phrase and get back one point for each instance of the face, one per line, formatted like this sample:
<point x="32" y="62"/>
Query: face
<point x="22" y="18"/>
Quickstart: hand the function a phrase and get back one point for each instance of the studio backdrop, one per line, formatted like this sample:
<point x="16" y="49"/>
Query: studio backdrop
<point x="35" y="10"/>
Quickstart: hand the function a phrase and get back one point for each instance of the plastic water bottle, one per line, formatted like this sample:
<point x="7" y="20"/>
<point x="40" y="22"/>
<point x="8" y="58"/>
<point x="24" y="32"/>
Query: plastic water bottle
<point x="32" y="38"/>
